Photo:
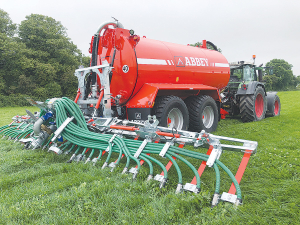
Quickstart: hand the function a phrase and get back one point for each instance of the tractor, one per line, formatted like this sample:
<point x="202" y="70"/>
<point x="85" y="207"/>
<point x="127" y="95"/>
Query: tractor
<point x="245" y="93"/>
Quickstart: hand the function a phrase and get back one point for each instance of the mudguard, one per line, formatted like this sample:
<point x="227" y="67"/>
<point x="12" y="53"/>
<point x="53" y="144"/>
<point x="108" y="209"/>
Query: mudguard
<point x="250" y="88"/>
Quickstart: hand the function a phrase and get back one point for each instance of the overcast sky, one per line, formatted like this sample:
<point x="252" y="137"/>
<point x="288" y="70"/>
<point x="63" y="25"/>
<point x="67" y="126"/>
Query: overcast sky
<point x="241" y="28"/>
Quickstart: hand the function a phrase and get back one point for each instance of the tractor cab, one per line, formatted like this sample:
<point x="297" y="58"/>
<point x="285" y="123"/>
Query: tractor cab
<point x="242" y="72"/>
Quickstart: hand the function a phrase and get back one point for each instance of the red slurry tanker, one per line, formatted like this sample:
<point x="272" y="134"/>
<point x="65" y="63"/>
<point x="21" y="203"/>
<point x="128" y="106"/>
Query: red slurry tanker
<point x="132" y="77"/>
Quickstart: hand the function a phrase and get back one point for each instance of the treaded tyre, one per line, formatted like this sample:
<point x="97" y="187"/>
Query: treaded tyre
<point x="253" y="107"/>
<point x="203" y="112"/>
<point x="273" y="106"/>
<point x="171" y="112"/>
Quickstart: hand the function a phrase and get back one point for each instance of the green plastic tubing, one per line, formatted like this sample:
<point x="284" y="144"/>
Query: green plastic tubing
<point x="78" y="133"/>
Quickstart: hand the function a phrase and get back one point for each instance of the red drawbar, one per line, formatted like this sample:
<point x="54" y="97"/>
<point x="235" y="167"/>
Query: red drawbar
<point x="240" y="172"/>
<point x="202" y="166"/>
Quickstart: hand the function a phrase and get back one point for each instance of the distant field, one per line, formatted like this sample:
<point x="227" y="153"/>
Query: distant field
<point x="37" y="187"/>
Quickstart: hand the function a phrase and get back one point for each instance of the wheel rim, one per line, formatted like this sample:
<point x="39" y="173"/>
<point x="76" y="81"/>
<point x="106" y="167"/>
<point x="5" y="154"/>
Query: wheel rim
<point x="259" y="105"/>
<point x="175" y="119"/>
<point x="276" y="108"/>
<point x="208" y="116"/>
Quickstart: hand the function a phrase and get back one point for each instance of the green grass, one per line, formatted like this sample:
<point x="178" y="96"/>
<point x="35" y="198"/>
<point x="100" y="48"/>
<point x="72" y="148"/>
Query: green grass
<point x="37" y="187"/>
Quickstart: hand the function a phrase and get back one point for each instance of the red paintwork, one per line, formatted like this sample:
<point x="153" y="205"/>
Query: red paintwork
<point x="276" y="108"/>
<point x="170" y="163"/>
<point x="167" y="134"/>
<point x="203" y="165"/>
<point x="77" y="96"/>
<point x="240" y="172"/>
<point x="196" y="67"/>
<point x="123" y="127"/>
<point x="223" y="113"/>
<point x="259" y="105"/>
<point x="146" y="96"/>
<point x="99" y="99"/>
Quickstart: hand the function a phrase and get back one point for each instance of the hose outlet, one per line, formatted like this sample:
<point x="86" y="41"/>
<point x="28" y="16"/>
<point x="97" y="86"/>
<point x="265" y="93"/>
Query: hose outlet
<point x="71" y="159"/>
<point x="179" y="188"/>
<point x="125" y="170"/>
<point x="163" y="183"/>
<point x="134" y="175"/>
<point x="112" y="166"/>
<point x="94" y="161"/>
<point x="66" y="152"/>
<point x="88" y="159"/>
<point x="79" y="158"/>
<point x="215" y="200"/>
<point x="104" y="165"/>
<point x="150" y="177"/>
<point x="238" y="202"/>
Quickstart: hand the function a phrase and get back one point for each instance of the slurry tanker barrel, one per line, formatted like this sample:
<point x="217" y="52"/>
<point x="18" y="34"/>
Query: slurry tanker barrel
<point x="146" y="71"/>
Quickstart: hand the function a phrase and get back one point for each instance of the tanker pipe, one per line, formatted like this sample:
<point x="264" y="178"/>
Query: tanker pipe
<point x="115" y="24"/>
<point x="37" y="126"/>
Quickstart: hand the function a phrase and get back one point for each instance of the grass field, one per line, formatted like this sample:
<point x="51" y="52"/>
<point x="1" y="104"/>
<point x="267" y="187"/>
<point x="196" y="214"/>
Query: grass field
<point x="37" y="187"/>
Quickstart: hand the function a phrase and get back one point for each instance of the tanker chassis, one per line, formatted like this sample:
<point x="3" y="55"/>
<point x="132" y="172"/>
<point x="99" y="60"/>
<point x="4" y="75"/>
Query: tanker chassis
<point x="132" y="77"/>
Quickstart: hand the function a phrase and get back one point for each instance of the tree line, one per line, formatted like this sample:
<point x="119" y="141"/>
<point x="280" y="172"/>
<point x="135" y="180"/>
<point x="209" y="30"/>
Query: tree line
<point x="37" y="58"/>
<point x="281" y="78"/>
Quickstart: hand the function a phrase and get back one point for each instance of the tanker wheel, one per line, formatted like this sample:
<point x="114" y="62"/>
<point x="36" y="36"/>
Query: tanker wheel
<point x="253" y="107"/>
<point x="171" y="112"/>
<point x="203" y="113"/>
<point x="274" y="106"/>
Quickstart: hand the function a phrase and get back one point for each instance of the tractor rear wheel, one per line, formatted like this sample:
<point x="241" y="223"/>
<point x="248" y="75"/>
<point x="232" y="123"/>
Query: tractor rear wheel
<point x="171" y="112"/>
<point x="203" y="112"/>
<point x="274" y="106"/>
<point x="253" y="107"/>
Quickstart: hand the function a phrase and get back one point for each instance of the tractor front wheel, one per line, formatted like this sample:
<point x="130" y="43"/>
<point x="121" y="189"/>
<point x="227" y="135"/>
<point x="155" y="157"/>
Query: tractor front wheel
<point x="171" y="112"/>
<point x="253" y="107"/>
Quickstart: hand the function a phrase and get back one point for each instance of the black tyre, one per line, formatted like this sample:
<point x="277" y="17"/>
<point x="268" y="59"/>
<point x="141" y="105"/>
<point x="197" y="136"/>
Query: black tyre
<point x="273" y="105"/>
<point x="253" y="107"/>
<point x="171" y="112"/>
<point x="203" y="113"/>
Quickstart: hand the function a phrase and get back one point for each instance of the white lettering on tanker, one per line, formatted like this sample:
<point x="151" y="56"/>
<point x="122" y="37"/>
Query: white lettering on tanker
<point x="191" y="61"/>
